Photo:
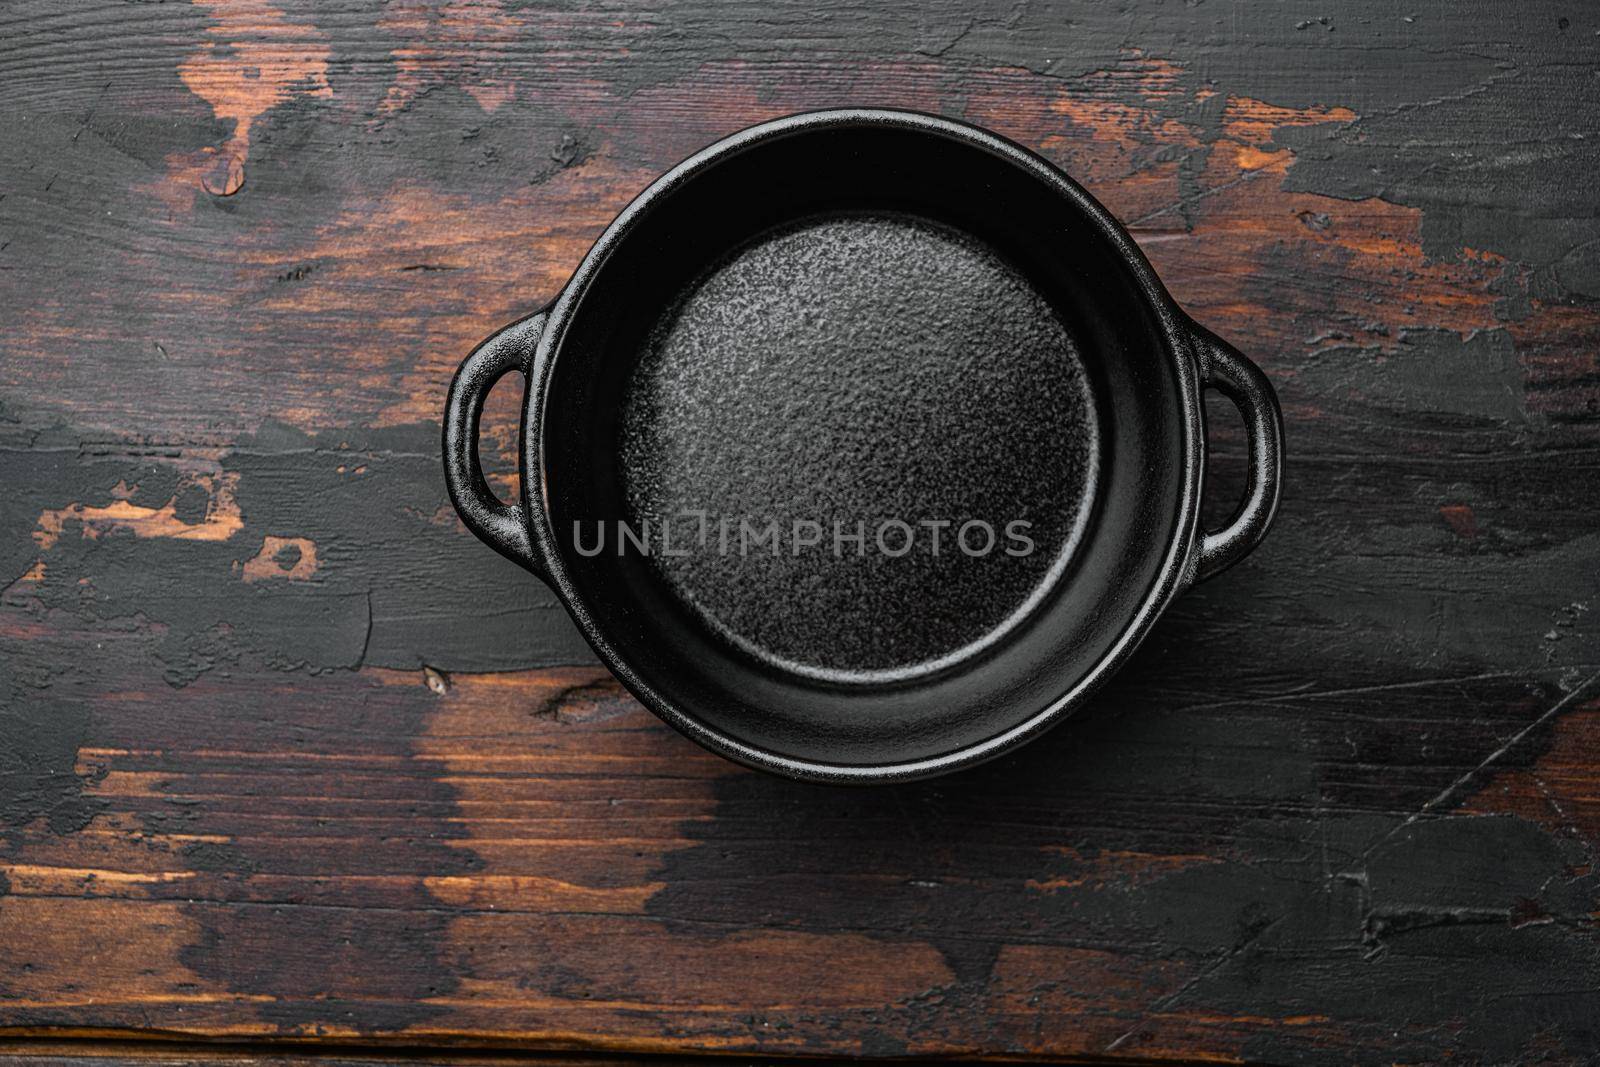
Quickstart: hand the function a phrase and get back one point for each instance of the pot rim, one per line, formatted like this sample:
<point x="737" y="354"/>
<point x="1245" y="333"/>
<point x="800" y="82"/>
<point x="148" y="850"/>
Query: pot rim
<point x="1176" y="569"/>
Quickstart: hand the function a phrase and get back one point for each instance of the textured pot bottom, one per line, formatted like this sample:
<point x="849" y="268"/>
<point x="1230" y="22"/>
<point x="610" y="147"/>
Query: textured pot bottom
<point x="852" y="417"/>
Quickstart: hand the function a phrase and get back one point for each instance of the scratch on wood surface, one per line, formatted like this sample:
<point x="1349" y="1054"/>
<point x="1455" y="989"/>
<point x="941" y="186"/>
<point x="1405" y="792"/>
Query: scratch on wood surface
<point x="1454" y="789"/>
<point x="1165" y="1003"/>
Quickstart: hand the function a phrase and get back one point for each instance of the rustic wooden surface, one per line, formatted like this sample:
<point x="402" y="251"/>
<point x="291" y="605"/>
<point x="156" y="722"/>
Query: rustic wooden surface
<point x="286" y="754"/>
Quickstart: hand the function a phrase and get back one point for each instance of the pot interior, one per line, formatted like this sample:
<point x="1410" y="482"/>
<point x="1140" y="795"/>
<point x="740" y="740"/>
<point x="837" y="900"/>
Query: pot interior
<point x="874" y="440"/>
<point x="862" y="444"/>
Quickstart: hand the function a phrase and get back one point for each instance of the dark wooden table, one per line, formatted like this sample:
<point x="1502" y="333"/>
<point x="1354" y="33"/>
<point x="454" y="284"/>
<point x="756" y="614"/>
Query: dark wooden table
<point x="286" y="755"/>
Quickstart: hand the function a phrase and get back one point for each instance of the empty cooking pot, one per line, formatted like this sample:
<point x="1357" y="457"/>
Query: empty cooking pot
<point x="862" y="446"/>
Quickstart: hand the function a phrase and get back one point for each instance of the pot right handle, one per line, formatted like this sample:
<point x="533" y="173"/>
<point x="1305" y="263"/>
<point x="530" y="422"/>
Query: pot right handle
<point x="1224" y="369"/>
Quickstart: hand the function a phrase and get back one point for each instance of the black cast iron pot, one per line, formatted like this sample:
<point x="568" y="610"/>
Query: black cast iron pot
<point x="863" y="446"/>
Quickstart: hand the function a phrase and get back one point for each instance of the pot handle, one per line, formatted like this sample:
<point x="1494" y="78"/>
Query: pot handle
<point x="504" y="527"/>
<point x="1224" y="369"/>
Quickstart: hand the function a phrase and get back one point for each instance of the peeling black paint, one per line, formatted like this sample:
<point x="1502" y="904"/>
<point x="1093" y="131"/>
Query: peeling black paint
<point x="1469" y="111"/>
<point x="39" y="779"/>
<point x="43" y="719"/>
<point x="1280" y="888"/>
<point x="380" y="966"/>
<point x="390" y="605"/>
<point x="218" y="857"/>
<point x="364" y="938"/>
<point x="1523" y="194"/>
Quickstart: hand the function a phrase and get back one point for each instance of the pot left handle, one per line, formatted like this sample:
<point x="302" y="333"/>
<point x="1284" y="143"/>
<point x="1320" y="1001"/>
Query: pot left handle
<point x="504" y="527"/>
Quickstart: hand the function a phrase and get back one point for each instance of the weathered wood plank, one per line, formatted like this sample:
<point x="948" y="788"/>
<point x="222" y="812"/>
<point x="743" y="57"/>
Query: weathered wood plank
<point x="90" y="1053"/>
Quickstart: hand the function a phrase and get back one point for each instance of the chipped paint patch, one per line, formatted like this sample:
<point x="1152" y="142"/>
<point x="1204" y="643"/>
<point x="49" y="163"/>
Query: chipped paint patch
<point x="462" y="39"/>
<point x="222" y="519"/>
<point x="1109" y="868"/>
<point x="291" y="558"/>
<point x="1460" y="518"/>
<point x="30" y="577"/>
<point x="1254" y="158"/>
<point x="1256" y="122"/>
<point x="254" y="58"/>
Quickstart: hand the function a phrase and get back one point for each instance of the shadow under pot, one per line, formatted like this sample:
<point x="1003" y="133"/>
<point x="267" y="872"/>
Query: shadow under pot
<point x="862" y="446"/>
